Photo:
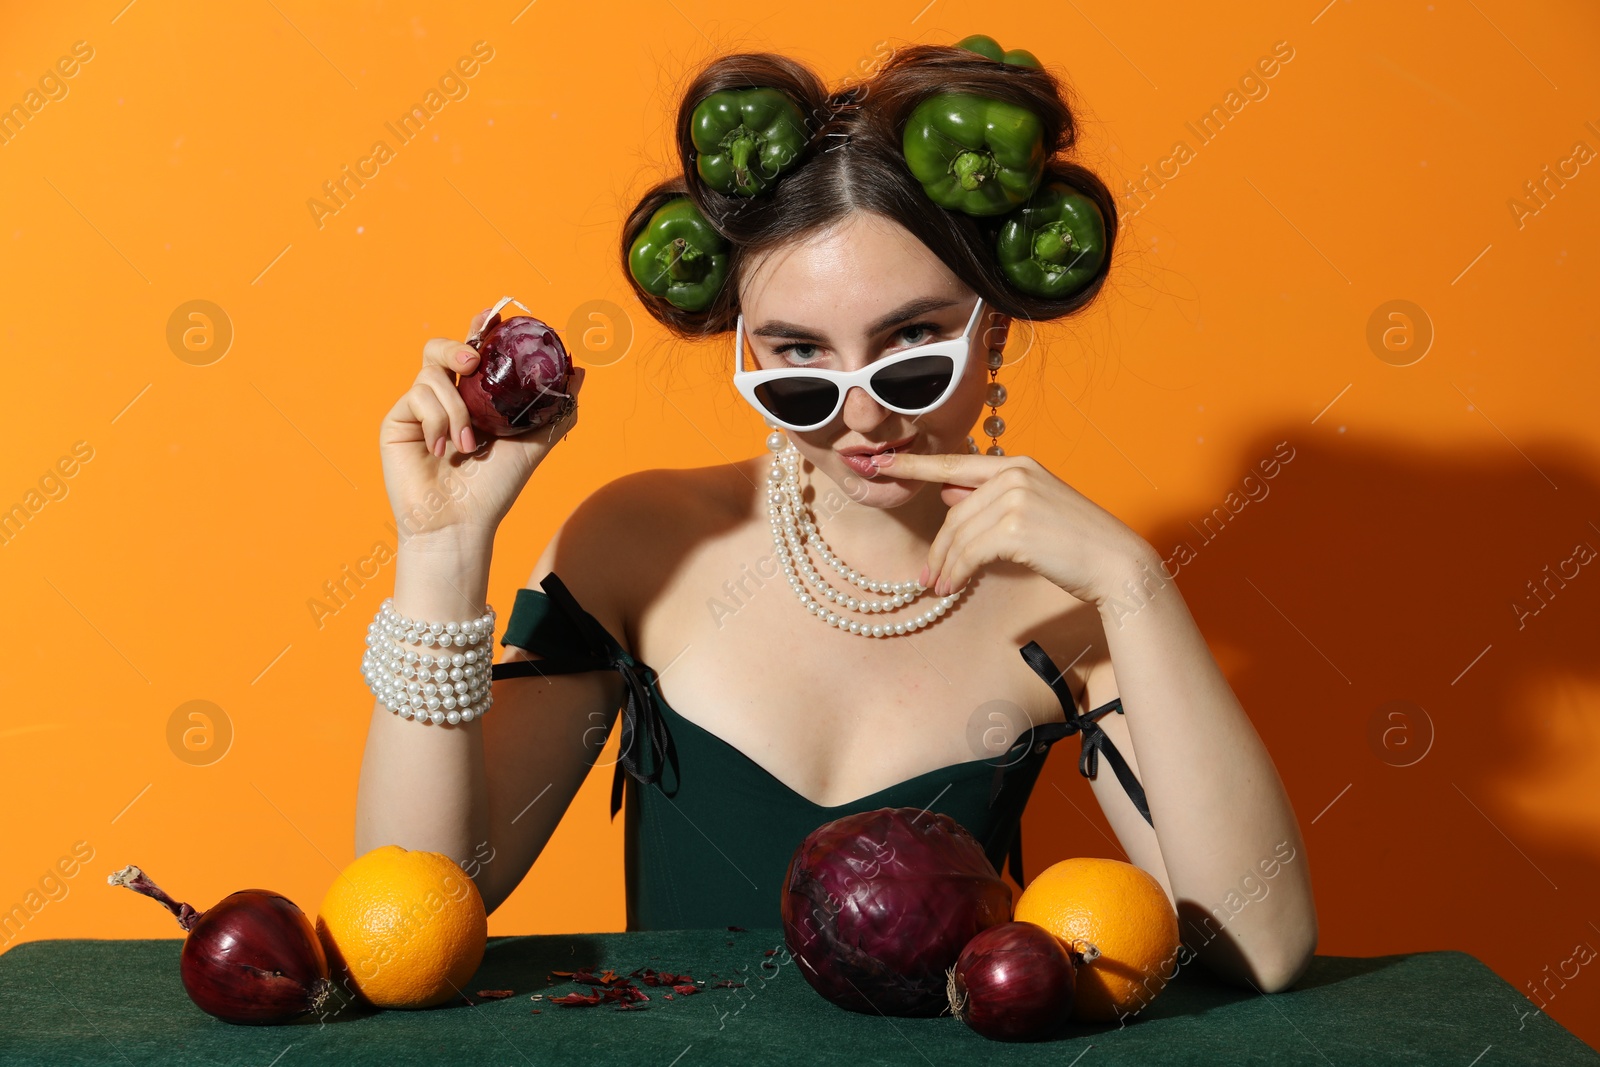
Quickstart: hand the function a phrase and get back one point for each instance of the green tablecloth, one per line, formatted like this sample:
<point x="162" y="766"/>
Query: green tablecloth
<point x="120" y="1003"/>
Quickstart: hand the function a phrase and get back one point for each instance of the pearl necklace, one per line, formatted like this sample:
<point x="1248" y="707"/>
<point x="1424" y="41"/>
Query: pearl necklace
<point x="792" y="529"/>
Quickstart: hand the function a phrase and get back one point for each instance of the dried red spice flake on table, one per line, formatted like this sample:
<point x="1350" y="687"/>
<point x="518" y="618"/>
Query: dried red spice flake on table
<point x="496" y="994"/>
<point x="654" y="977"/>
<point x="535" y="1011"/>
<point x="626" y="993"/>
<point x="727" y="984"/>
<point x="770" y="952"/>
<point x="740" y="929"/>
<point x="608" y="986"/>
<point x="631" y="1007"/>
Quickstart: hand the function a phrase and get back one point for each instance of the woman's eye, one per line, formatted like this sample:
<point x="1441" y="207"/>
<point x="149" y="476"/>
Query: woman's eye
<point x="797" y="353"/>
<point x="791" y="353"/>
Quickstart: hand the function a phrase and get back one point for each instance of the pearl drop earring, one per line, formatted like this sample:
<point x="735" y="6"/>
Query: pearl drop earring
<point x="994" y="425"/>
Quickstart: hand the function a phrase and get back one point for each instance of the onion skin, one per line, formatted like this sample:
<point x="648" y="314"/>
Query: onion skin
<point x="254" y="957"/>
<point x="878" y="905"/>
<point x="1013" y="982"/>
<point x="520" y="382"/>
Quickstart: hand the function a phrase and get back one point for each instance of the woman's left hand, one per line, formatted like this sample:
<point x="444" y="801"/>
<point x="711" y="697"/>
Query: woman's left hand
<point x="1010" y="508"/>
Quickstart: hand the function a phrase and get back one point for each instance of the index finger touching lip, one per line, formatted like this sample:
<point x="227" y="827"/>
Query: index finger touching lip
<point x="950" y="467"/>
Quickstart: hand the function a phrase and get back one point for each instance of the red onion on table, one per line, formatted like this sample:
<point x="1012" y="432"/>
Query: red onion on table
<point x="878" y="905"/>
<point x="521" y="378"/>
<point x="1013" y="982"/>
<point x="253" y="957"/>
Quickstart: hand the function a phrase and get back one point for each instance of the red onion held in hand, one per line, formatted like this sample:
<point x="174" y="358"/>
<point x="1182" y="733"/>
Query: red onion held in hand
<point x="878" y="905"/>
<point x="1013" y="982"/>
<point x="521" y="379"/>
<point x="253" y="957"/>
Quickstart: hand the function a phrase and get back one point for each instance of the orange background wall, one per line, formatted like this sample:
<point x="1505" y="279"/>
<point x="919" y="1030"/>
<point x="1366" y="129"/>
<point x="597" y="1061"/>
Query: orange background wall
<point x="208" y="504"/>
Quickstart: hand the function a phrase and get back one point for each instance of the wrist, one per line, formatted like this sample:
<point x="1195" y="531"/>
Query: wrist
<point x="1132" y="581"/>
<point x="443" y="575"/>
<point x="445" y="542"/>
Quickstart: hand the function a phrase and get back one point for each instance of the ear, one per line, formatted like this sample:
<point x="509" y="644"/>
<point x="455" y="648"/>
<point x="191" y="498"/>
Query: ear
<point x="998" y="327"/>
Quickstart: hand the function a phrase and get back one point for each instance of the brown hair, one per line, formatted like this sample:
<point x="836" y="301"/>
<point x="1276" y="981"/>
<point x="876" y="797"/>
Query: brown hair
<point x="854" y="162"/>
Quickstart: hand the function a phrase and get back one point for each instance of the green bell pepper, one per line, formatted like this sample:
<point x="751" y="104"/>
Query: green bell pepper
<point x="746" y="138"/>
<point x="1053" y="245"/>
<point x="985" y="45"/>
<point x="679" y="256"/>
<point x="974" y="154"/>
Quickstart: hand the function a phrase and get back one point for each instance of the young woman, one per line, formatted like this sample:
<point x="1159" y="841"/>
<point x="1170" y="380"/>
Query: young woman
<point x="832" y="624"/>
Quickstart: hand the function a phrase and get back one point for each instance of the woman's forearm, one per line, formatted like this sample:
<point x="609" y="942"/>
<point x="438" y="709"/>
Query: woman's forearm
<point x="1222" y="817"/>
<point x="423" y="787"/>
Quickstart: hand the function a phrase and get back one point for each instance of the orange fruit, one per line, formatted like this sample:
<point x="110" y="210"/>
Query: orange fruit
<point x="404" y="929"/>
<point x="1124" y="913"/>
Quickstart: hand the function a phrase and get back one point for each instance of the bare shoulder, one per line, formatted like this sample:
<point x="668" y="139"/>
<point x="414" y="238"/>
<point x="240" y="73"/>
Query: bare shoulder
<point x="616" y="546"/>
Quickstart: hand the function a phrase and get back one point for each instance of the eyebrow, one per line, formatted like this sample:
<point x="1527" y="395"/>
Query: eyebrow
<point x="908" y="310"/>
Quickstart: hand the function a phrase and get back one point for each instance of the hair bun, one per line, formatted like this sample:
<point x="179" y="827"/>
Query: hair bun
<point x="745" y="121"/>
<point x="1055" y="244"/>
<point x="679" y="257"/>
<point x="973" y="153"/>
<point x="745" y="138"/>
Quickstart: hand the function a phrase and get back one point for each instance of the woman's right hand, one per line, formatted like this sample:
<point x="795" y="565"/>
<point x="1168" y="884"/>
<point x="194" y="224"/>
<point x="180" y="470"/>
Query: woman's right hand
<point x="440" y="477"/>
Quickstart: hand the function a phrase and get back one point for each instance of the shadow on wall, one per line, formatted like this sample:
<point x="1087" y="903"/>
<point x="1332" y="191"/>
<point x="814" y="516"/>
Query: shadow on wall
<point x="1414" y="635"/>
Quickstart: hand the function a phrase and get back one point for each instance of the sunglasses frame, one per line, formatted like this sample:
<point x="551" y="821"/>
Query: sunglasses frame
<point x="747" y="381"/>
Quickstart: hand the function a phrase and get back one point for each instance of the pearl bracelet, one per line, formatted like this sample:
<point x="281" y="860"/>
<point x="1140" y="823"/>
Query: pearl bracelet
<point x="448" y="687"/>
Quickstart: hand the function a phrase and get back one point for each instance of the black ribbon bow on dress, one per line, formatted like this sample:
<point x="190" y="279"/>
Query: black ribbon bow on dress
<point x="1094" y="738"/>
<point x="639" y="713"/>
<point x="1037" y="740"/>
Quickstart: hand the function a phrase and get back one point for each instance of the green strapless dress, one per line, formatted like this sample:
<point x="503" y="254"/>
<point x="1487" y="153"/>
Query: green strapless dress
<point x="709" y="832"/>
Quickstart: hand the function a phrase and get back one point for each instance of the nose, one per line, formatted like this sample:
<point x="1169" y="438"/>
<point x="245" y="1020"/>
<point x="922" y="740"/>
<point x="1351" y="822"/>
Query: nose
<point x="863" y="414"/>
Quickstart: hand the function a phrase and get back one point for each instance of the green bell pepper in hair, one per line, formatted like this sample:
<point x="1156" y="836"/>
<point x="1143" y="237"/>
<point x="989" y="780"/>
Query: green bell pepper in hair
<point x="974" y="154"/>
<point x="679" y="256"/>
<point x="987" y="46"/>
<point x="746" y="138"/>
<point x="1053" y="245"/>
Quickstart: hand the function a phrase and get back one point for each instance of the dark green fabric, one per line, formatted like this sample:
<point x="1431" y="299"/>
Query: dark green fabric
<point x="120" y="1004"/>
<point x="708" y="845"/>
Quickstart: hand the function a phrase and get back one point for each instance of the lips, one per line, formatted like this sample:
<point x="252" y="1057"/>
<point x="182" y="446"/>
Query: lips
<point x="877" y="450"/>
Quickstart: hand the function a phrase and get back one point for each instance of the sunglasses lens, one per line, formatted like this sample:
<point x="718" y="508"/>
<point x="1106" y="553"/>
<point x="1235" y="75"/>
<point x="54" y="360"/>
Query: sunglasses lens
<point x="914" y="383"/>
<point x="802" y="401"/>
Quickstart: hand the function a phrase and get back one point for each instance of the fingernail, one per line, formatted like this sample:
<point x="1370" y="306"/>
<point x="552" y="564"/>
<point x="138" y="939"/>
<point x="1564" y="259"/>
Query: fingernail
<point x="438" y="446"/>
<point x="922" y="579"/>
<point x="884" y="459"/>
<point x="943" y="588"/>
<point x="462" y="357"/>
<point x="466" y="439"/>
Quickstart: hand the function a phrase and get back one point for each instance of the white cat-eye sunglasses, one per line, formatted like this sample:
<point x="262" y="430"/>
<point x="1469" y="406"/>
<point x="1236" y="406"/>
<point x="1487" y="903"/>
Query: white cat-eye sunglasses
<point x="911" y="382"/>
